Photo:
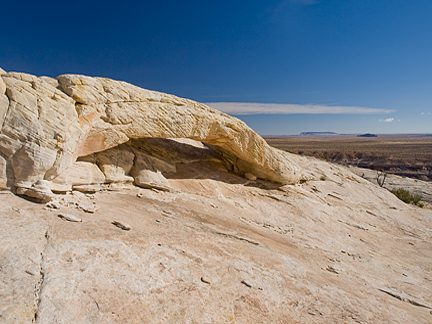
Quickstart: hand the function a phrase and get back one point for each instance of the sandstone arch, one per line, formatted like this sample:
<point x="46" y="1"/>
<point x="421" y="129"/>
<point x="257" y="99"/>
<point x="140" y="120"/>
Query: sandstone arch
<point x="49" y="123"/>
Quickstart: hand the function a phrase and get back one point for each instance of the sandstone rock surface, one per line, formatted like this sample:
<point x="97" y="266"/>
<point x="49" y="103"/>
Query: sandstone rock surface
<point x="47" y="124"/>
<point x="40" y="131"/>
<point x="81" y="173"/>
<point x="116" y="163"/>
<point x="211" y="240"/>
<point x="38" y="192"/>
<point x="341" y="250"/>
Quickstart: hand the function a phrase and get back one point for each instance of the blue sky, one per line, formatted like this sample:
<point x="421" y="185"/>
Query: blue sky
<point x="282" y="66"/>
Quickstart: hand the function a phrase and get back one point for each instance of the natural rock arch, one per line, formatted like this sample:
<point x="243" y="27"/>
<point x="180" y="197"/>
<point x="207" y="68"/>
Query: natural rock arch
<point x="49" y="123"/>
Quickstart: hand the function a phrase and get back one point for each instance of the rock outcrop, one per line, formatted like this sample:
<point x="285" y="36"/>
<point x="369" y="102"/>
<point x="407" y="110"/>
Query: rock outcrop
<point x="47" y="124"/>
<point x="211" y="241"/>
<point x="40" y="130"/>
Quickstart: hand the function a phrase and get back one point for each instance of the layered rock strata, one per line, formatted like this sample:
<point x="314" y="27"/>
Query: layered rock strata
<point x="47" y="124"/>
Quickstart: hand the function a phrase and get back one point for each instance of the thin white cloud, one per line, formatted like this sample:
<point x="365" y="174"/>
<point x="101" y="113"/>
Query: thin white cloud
<point x="252" y="108"/>
<point x="422" y="113"/>
<point x="388" y="120"/>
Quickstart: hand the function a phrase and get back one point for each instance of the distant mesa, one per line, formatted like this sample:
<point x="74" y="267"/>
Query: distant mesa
<point x="367" y="135"/>
<point x="317" y="133"/>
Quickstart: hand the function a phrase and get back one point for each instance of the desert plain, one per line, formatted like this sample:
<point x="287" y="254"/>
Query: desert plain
<point x="407" y="155"/>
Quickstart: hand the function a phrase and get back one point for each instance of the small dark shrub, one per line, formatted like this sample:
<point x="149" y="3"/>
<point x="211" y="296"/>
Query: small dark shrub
<point x="406" y="196"/>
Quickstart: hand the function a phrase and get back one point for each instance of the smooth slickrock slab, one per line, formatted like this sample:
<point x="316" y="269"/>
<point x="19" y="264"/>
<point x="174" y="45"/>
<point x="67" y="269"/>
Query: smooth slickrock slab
<point x="23" y="241"/>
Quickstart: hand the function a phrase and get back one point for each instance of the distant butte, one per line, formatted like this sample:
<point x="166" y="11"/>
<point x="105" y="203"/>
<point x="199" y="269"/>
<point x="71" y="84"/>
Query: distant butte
<point x="367" y="135"/>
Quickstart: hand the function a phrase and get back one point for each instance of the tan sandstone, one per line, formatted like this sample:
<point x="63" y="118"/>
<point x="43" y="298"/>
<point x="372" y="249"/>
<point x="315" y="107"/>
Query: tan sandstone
<point x="49" y="123"/>
<point x="217" y="227"/>
<point x="341" y="250"/>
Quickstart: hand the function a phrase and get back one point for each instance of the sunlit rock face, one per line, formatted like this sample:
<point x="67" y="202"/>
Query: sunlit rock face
<point x="47" y="124"/>
<point x="159" y="210"/>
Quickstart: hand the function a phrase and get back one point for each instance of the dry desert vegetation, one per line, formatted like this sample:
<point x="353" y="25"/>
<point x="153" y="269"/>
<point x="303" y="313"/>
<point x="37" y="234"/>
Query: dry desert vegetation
<point x="404" y="160"/>
<point x="404" y="155"/>
<point x="123" y="205"/>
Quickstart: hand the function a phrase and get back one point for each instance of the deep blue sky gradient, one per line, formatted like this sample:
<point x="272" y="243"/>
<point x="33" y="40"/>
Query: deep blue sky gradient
<point x="367" y="53"/>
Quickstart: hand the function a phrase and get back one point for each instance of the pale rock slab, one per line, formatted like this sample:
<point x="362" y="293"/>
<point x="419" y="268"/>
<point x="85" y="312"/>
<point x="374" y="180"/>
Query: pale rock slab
<point x="122" y="225"/>
<point x="81" y="173"/>
<point x="69" y="217"/>
<point x="116" y="163"/>
<point x="87" y="188"/>
<point x="150" y="179"/>
<point x="59" y="188"/>
<point x="39" y="191"/>
<point x="147" y="171"/>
